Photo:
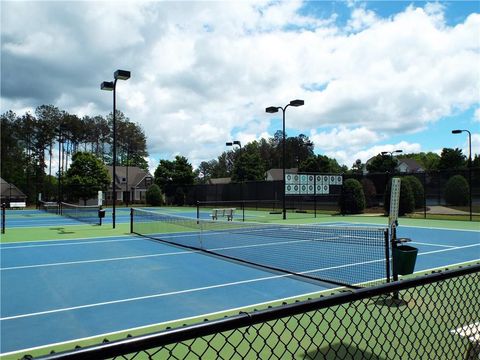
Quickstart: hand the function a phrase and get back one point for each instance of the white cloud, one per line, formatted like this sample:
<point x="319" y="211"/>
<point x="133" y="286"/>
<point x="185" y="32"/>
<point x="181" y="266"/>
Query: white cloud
<point x="203" y="72"/>
<point x="343" y="137"/>
<point x="365" y="154"/>
<point x="476" y="115"/>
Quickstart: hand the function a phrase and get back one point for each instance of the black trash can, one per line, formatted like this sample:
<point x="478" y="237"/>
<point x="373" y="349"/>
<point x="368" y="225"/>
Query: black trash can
<point x="101" y="213"/>
<point x="405" y="257"/>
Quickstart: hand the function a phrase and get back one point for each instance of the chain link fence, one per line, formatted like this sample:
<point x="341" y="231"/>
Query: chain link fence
<point x="434" y="199"/>
<point x="435" y="316"/>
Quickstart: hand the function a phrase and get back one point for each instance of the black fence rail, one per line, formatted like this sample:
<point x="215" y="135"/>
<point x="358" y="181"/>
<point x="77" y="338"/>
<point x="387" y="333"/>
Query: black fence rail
<point x="434" y="316"/>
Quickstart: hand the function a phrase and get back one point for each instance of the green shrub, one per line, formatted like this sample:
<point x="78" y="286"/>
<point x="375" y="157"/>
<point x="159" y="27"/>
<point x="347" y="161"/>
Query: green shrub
<point x="407" y="201"/>
<point x="352" y="200"/>
<point x="369" y="191"/>
<point x="154" y="195"/>
<point x="417" y="189"/>
<point x="457" y="191"/>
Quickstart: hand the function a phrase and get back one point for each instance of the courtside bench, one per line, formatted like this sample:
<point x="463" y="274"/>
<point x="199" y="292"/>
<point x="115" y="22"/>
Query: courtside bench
<point x="18" y="205"/>
<point x="227" y="212"/>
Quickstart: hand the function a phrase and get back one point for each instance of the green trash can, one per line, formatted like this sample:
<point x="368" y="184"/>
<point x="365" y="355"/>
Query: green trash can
<point x="404" y="258"/>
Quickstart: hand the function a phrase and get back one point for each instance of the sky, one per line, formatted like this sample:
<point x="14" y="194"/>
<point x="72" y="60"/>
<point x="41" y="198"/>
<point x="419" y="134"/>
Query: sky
<point x="375" y="76"/>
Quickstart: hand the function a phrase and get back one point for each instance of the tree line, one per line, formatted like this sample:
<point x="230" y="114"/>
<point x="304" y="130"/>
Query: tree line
<point x="29" y="141"/>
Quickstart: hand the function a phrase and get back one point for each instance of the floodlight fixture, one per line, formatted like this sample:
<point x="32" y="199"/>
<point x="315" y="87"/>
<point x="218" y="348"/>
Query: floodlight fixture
<point x="297" y="102"/>
<point x="229" y="143"/>
<point x="107" y="85"/>
<point x="121" y="75"/>
<point x="271" y="109"/>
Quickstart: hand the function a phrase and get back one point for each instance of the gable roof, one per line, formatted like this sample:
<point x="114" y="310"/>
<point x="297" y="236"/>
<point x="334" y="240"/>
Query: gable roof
<point x="135" y="176"/>
<point x="10" y="190"/>
<point x="412" y="165"/>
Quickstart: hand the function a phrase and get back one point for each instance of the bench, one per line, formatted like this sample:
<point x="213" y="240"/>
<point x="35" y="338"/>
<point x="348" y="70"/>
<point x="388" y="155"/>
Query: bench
<point x="472" y="333"/>
<point x="227" y="212"/>
<point x="18" y="204"/>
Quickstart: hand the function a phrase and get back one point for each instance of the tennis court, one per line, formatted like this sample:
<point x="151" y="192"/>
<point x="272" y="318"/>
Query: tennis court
<point x="58" y="291"/>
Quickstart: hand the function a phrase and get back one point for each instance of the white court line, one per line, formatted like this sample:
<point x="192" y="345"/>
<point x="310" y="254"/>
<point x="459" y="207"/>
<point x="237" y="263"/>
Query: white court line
<point x="152" y="255"/>
<point x="143" y="297"/>
<point x="187" y="291"/>
<point x="133" y="238"/>
<point x="175" y="321"/>
<point x="430" y="244"/>
<point x="97" y="260"/>
<point x="5" y="244"/>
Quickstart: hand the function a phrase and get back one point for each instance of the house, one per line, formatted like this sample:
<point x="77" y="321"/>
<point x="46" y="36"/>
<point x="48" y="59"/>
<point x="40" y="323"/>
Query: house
<point x="403" y="166"/>
<point x="277" y="174"/>
<point x="409" y="166"/>
<point x="10" y="193"/>
<point x="131" y="184"/>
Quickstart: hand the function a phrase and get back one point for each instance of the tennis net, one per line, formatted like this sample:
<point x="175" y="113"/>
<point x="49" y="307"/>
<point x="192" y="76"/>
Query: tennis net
<point x="48" y="206"/>
<point x="88" y="214"/>
<point x="348" y="256"/>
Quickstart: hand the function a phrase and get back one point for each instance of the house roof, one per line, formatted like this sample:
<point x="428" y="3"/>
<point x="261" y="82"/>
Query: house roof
<point x="412" y="164"/>
<point x="7" y="190"/>
<point x="277" y="174"/>
<point x="135" y="175"/>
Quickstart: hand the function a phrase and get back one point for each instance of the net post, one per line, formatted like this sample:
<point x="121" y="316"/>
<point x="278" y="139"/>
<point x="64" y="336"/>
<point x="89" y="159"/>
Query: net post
<point x="3" y="217"/>
<point x="198" y="211"/>
<point x="131" y="220"/>
<point x="387" y="254"/>
<point x="243" y="210"/>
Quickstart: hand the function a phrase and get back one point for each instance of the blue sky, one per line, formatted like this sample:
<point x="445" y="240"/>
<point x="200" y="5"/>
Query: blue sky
<point x="375" y="75"/>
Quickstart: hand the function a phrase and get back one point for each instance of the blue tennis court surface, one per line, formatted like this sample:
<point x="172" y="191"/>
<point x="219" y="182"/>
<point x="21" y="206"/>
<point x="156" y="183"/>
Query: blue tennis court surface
<point x="58" y="291"/>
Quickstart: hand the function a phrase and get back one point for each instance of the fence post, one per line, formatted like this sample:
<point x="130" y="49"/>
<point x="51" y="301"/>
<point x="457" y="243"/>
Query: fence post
<point x="198" y="212"/>
<point x="424" y="194"/>
<point x="4" y="206"/>
<point x="131" y="220"/>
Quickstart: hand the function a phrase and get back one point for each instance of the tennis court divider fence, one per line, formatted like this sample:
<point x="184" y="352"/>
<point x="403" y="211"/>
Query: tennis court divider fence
<point x="435" y="317"/>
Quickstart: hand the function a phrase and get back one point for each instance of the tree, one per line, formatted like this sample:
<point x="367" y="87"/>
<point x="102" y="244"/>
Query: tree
<point x="171" y="174"/>
<point x="352" y="199"/>
<point x="457" y="191"/>
<point x="382" y="164"/>
<point x="407" y="200"/>
<point x="14" y="160"/>
<point x="248" y="167"/>
<point x="86" y="176"/>
<point x="321" y="164"/>
<point x="370" y="191"/>
<point x="357" y="167"/>
<point x="417" y="190"/>
<point x="154" y="195"/>
<point x="452" y="159"/>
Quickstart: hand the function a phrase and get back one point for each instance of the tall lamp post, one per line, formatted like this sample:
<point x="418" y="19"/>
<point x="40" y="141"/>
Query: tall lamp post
<point x="111" y="86"/>
<point x="458" y="131"/>
<point x="274" y="109"/>
<point x="391" y="155"/>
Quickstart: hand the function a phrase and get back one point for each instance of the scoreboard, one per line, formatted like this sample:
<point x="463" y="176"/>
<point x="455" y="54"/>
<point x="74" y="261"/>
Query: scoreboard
<point x="311" y="184"/>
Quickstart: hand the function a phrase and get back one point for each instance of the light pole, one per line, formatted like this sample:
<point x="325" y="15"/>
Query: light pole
<point x="274" y="109"/>
<point x="458" y="131"/>
<point x="391" y="156"/>
<point x="235" y="142"/>
<point x="111" y="86"/>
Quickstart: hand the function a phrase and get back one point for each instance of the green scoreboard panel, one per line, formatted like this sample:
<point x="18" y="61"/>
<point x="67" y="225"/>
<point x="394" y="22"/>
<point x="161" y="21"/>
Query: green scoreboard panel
<point x="311" y="184"/>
